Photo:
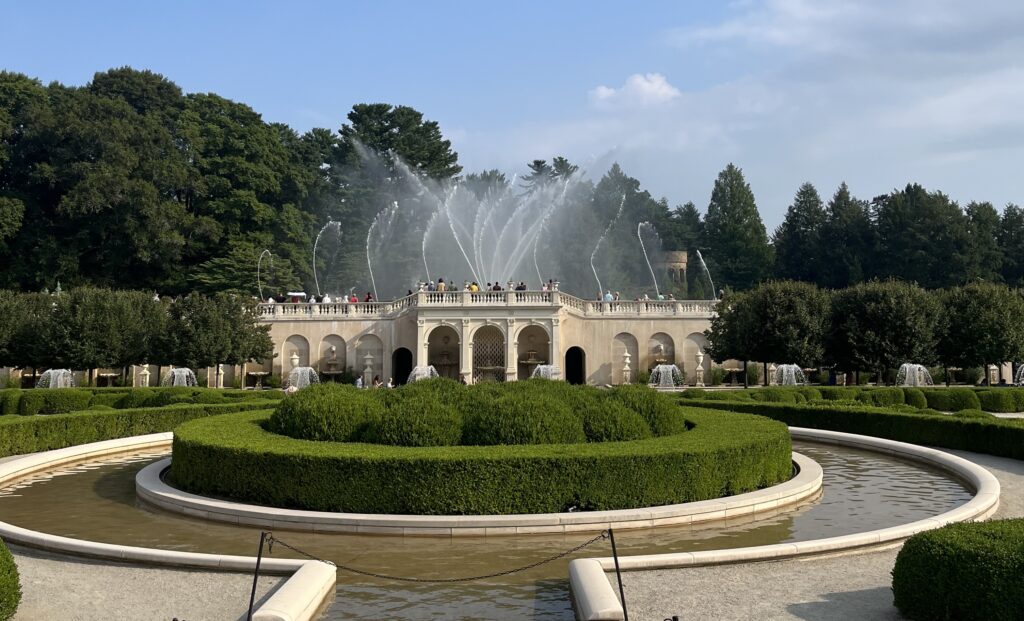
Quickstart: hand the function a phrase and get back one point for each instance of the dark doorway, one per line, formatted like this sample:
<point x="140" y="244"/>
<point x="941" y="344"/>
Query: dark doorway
<point x="575" y="366"/>
<point x="401" y="366"/>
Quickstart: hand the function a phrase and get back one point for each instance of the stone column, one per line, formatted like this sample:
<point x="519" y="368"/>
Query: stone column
<point x="511" y="349"/>
<point x="556" y="346"/>
<point x="422" y="345"/>
<point x="466" y="353"/>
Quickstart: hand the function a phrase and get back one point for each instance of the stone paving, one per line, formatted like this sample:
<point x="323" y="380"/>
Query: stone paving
<point x="75" y="589"/>
<point x="852" y="586"/>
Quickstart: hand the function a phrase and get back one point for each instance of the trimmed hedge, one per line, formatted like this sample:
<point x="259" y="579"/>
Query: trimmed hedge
<point x="29" y="434"/>
<point x="722" y="454"/>
<point x="9" y="400"/>
<point x="952" y="399"/>
<point x="1004" y="438"/>
<point x="53" y="401"/>
<point x="10" y="587"/>
<point x="967" y="571"/>
<point x="942" y="399"/>
<point x="33" y="401"/>
<point x="441" y="412"/>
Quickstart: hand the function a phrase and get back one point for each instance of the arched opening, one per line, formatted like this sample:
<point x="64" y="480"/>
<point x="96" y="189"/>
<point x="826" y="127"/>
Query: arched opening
<point x="401" y="365"/>
<point x="443" y="351"/>
<point x="661" y="349"/>
<point x="296" y="353"/>
<point x="331" y="363"/>
<point x="532" y="349"/>
<point x="488" y="355"/>
<point x="576" y="366"/>
<point x="625" y="358"/>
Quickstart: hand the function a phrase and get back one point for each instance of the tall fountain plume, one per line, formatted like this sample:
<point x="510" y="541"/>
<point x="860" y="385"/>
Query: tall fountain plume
<point x="335" y="226"/>
<point x="597" y="246"/>
<point x="259" y="281"/>
<point x="642" y="229"/>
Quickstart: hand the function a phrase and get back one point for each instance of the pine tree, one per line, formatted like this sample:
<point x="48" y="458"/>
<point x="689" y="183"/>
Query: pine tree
<point x="1011" y="243"/>
<point x="985" y="257"/>
<point x="798" y="239"/>
<point x="847" y="242"/>
<point x="738" y="247"/>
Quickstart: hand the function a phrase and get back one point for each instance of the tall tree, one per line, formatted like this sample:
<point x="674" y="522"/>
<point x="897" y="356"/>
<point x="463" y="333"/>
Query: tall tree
<point x="1011" y="243"/>
<point x="984" y="256"/>
<point x="876" y="326"/>
<point x="797" y="240"/>
<point x="539" y="176"/>
<point x="402" y="131"/>
<point x="923" y="237"/>
<point x="847" y="242"/>
<point x="981" y="325"/>
<point x="737" y="241"/>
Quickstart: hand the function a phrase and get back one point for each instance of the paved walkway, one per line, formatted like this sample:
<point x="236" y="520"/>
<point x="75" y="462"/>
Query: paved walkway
<point x="853" y="586"/>
<point x="73" y="589"/>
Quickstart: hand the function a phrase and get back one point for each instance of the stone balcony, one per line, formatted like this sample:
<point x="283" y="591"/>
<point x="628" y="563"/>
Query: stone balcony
<point x="487" y="300"/>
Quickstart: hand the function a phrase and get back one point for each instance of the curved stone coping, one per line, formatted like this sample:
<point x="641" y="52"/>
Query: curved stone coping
<point x="596" y="599"/>
<point x="150" y="488"/>
<point x="309" y="585"/>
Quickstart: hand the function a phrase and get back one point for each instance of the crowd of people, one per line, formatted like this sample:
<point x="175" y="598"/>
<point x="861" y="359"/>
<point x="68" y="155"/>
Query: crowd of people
<point x="441" y="285"/>
<point x="608" y="296"/>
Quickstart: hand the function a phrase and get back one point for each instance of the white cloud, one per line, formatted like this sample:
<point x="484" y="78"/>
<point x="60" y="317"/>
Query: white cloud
<point x="641" y="90"/>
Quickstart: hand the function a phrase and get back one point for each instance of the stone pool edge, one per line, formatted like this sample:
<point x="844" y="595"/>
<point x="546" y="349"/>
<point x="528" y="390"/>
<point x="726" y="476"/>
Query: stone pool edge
<point x="594" y="596"/>
<point x="150" y="488"/>
<point x="309" y="584"/>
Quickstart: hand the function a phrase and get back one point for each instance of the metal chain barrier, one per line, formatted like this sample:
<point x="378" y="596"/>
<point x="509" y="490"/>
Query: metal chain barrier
<point x="271" y="540"/>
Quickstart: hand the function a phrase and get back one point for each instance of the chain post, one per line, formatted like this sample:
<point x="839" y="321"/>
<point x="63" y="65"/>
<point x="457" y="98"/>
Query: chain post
<point x="256" y="575"/>
<point x="618" y="575"/>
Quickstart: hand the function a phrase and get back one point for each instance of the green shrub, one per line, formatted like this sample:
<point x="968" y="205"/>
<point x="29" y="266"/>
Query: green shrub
<point x="658" y="409"/>
<point x="135" y="398"/>
<point x="210" y="396"/>
<point x="1003" y="438"/>
<point x="839" y="393"/>
<point x="962" y="572"/>
<point x="915" y="397"/>
<point x="809" y="392"/>
<point x="99" y="407"/>
<point x="333" y="412"/>
<point x="31" y="434"/>
<point x="9" y="400"/>
<point x="777" y="395"/>
<point x="507" y="419"/>
<point x="10" y="587"/>
<point x="952" y="399"/>
<point x="998" y="400"/>
<point x="973" y="414"/>
<point x="418" y="419"/>
<point x="694" y="393"/>
<point x="110" y="399"/>
<point x="716" y="375"/>
<point x="881" y="397"/>
<point x="970" y="376"/>
<point x="722" y="454"/>
<point x="53" y="401"/>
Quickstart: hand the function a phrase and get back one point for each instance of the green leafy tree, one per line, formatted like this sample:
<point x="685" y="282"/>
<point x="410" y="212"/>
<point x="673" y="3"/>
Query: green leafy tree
<point x="985" y="257"/>
<point x="737" y="243"/>
<point x="733" y="328"/>
<point x="981" y="325"/>
<point x="879" y="325"/>
<point x="1011" y="244"/>
<point x="847" y="242"/>
<point x="797" y="240"/>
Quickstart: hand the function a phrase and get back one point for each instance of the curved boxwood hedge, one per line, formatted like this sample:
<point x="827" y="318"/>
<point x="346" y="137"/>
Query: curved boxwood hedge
<point x="722" y="454"/>
<point x="1001" y="399"/>
<point x="10" y="588"/>
<point x="963" y="430"/>
<point x="29" y="434"/>
<point x="29" y="402"/>
<point x="442" y="412"/>
<point x="968" y="571"/>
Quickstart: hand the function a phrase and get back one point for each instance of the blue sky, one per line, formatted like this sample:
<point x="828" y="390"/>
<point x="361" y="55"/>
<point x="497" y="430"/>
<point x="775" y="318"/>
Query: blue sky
<point x="875" y="93"/>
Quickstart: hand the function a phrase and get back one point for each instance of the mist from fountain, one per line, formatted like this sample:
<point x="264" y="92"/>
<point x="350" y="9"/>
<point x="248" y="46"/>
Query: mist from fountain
<point x="666" y="376"/>
<point x="422" y="373"/>
<point x="546" y="371"/>
<point x="646" y="228"/>
<point x="910" y="374"/>
<point x="259" y="261"/>
<point x="336" y="227"/>
<point x="302" y="377"/>
<point x="611" y="223"/>
<point x="707" y="272"/>
<point x="789" y="375"/>
<point x="181" y="376"/>
<point x="56" y="378"/>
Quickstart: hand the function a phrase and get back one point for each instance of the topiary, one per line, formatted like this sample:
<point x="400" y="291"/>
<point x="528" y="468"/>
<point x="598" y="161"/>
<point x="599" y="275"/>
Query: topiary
<point x="915" y="397"/>
<point x="135" y="398"/>
<point x="10" y="587"/>
<point x="999" y="400"/>
<point x="99" y="407"/>
<point x="506" y="419"/>
<point x="332" y="412"/>
<point x="209" y="396"/>
<point x="417" y="418"/>
<point x="973" y="413"/>
<point x="881" y="397"/>
<point x="610" y="421"/>
<point x="964" y="571"/>
<point x="659" y="410"/>
<point x="952" y="399"/>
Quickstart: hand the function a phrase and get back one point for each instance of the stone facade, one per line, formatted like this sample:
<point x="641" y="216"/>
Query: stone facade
<point x="487" y="335"/>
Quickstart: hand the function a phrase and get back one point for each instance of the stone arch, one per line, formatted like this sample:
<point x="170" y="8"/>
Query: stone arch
<point x="368" y="368"/>
<point x="624" y="343"/>
<point x="295" y="345"/>
<point x="533" y="347"/>
<point x="488" y="354"/>
<point x="332" y="358"/>
<point x="661" y="349"/>
<point x="443" y="351"/>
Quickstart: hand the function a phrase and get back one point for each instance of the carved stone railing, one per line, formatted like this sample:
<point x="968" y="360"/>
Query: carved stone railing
<point x="486" y="299"/>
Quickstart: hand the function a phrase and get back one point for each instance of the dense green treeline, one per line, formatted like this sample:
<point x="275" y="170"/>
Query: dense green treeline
<point x="874" y="326"/>
<point x="91" y="328"/>
<point x="129" y="182"/>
